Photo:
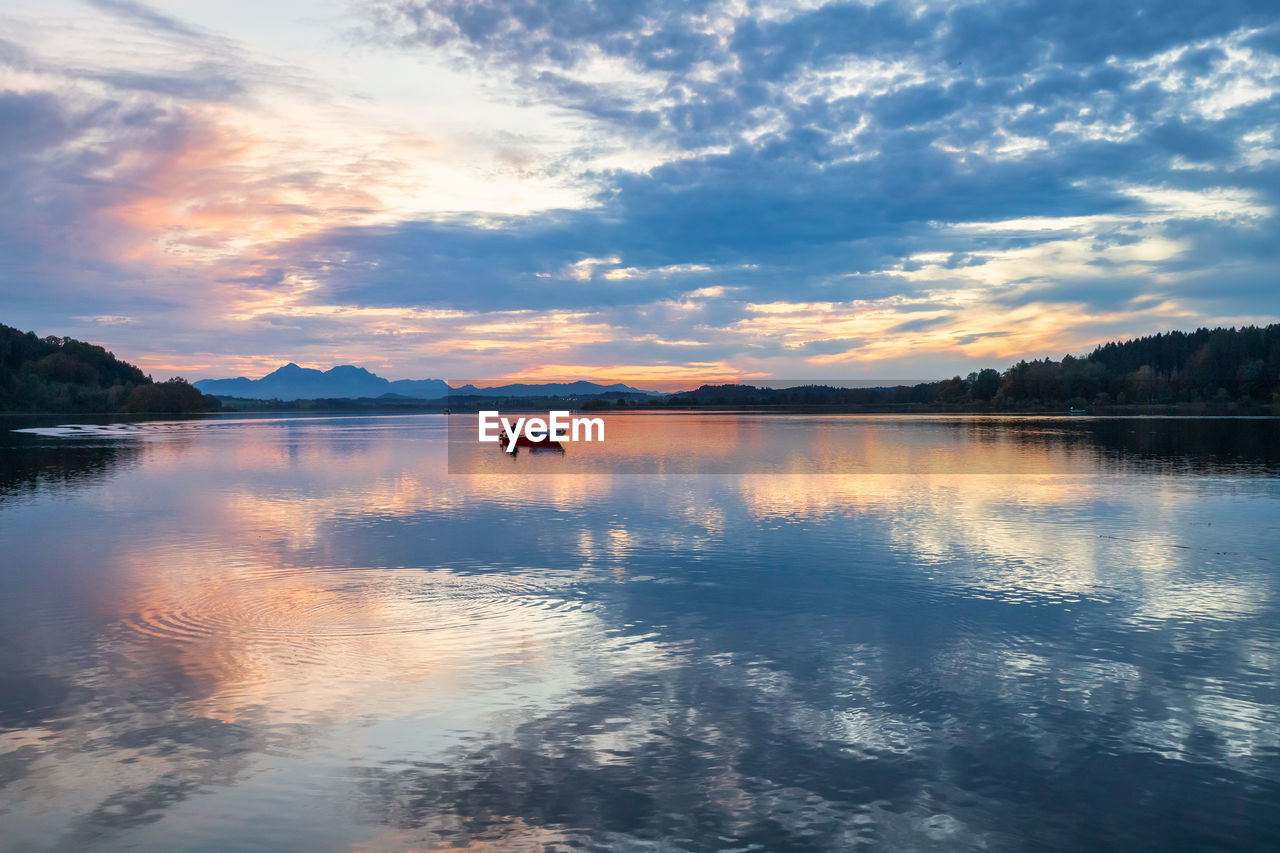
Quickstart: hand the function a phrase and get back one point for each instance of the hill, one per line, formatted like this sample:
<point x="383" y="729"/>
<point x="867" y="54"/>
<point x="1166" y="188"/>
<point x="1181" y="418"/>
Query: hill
<point x="53" y="374"/>
<point x="580" y="388"/>
<point x="1218" y="370"/>
<point x="346" y="381"/>
<point x="292" y="382"/>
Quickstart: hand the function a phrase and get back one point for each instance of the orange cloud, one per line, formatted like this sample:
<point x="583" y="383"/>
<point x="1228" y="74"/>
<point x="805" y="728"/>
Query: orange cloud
<point x="222" y="188"/>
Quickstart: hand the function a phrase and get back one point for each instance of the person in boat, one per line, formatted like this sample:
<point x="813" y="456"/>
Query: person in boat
<point x="522" y="440"/>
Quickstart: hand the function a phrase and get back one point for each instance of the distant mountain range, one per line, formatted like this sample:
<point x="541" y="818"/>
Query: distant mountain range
<point x="580" y="388"/>
<point x="292" y="382"/>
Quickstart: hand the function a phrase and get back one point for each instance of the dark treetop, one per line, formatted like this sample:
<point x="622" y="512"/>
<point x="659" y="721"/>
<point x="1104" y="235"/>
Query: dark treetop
<point x="55" y="374"/>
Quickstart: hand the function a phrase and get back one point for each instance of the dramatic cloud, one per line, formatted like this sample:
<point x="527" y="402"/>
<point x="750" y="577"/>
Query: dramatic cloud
<point x="475" y="188"/>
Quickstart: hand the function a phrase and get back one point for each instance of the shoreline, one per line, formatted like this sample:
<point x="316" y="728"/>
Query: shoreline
<point x="1159" y="411"/>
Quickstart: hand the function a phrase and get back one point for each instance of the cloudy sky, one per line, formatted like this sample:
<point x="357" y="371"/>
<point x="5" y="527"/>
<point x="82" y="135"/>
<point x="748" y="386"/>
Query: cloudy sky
<point x="634" y="188"/>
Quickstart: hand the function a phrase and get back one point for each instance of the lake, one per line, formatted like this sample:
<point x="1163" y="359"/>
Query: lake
<point x="714" y="631"/>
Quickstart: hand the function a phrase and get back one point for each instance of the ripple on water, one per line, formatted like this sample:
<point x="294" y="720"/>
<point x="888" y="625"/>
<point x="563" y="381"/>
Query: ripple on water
<point x="293" y="609"/>
<point x="117" y="430"/>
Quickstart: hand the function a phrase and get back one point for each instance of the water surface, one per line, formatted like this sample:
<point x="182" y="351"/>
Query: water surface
<point x="879" y="633"/>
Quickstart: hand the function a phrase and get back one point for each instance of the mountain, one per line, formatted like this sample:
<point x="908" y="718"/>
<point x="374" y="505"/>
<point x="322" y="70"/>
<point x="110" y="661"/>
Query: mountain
<point x="580" y="388"/>
<point x="292" y="382"/>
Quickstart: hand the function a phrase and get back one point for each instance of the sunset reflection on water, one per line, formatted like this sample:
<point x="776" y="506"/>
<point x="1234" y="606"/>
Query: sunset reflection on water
<point x="873" y="630"/>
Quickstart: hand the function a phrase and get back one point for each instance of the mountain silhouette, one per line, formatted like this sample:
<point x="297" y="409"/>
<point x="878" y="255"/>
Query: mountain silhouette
<point x="292" y="382"/>
<point x="581" y="388"/>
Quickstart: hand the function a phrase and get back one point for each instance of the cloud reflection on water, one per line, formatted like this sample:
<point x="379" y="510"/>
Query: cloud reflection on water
<point x="806" y="660"/>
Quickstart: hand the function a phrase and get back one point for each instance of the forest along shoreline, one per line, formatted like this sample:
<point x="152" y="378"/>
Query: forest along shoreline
<point x="1205" y="372"/>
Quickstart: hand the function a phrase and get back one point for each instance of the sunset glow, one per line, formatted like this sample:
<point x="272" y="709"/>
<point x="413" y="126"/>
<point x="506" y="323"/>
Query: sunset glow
<point x="217" y="189"/>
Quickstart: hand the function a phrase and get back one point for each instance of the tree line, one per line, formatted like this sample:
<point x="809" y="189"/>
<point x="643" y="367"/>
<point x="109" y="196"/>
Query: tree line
<point x="60" y="374"/>
<point x="1212" y="369"/>
<point x="1205" y="370"/>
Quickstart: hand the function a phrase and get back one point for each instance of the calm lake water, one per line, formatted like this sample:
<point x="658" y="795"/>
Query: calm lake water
<point x="854" y="633"/>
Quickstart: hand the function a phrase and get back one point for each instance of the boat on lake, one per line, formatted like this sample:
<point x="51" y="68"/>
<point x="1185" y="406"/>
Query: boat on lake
<point x="544" y="443"/>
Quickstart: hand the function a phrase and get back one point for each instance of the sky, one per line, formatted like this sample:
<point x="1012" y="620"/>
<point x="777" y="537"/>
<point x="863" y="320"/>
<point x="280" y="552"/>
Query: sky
<point x="628" y="189"/>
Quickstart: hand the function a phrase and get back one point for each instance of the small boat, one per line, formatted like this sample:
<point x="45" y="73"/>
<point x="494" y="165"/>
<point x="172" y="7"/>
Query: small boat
<point x="1074" y="411"/>
<point x="526" y="442"/>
